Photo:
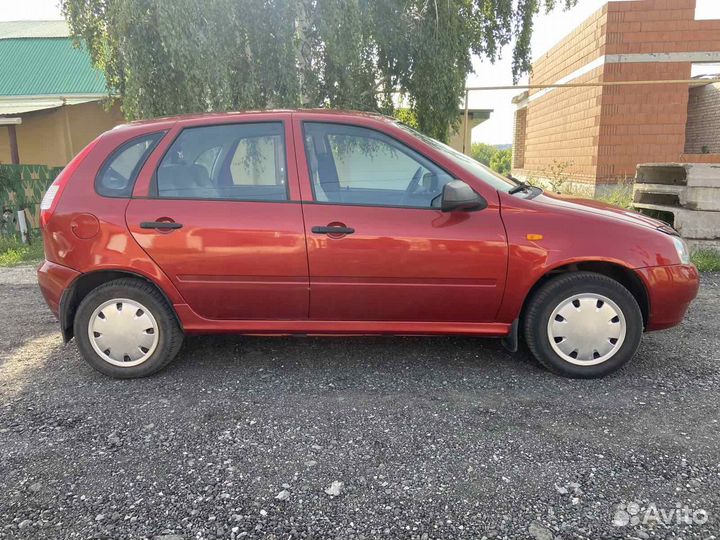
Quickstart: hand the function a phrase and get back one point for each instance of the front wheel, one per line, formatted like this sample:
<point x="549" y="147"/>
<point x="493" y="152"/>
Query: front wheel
<point x="126" y="329"/>
<point x="583" y="325"/>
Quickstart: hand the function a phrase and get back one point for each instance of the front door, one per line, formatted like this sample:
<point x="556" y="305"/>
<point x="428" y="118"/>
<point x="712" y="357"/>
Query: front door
<point x="221" y="224"/>
<point x="378" y="248"/>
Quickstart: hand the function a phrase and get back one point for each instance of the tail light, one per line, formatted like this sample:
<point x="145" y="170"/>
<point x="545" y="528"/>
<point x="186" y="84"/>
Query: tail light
<point x="54" y="192"/>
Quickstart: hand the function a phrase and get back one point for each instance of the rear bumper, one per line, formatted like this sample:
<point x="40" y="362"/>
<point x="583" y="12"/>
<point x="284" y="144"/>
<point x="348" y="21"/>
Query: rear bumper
<point x="54" y="279"/>
<point x="671" y="289"/>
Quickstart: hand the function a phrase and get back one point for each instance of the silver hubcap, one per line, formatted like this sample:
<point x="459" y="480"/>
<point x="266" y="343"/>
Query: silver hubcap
<point x="586" y="329"/>
<point x="123" y="332"/>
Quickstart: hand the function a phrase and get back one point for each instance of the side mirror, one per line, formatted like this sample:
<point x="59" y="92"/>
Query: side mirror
<point x="457" y="195"/>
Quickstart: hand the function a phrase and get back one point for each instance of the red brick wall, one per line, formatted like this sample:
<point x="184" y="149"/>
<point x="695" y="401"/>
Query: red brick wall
<point x="518" y="151"/>
<point x="656" y="26"/>
<point x="607" y="131"/>
<point x="563" y="126"/>
<point x="644" y="123"/>
<point x="581" y="46"/>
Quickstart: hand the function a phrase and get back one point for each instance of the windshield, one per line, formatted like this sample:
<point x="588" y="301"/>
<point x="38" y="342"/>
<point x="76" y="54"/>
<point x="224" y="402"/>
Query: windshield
<point x="473" y="167"/>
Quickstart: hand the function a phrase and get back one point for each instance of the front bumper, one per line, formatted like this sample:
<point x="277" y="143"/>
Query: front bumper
<point x="670" y="289"/>
<point x="54" y="279"/>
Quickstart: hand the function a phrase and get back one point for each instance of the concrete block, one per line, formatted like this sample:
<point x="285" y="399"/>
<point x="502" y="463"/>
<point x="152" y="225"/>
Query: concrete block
<point x="695" y="186"/>
<point x="691" y="224"/>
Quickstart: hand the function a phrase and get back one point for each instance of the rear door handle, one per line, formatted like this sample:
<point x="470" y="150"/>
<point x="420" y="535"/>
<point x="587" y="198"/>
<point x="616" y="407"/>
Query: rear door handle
<point x="160" y="225"/>
<point x="332" y="230"/>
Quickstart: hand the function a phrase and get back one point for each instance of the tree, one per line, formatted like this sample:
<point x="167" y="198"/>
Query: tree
<point x="167" y="57"/>
<point x="501" y="162"/>
<point x="483" y="152"/>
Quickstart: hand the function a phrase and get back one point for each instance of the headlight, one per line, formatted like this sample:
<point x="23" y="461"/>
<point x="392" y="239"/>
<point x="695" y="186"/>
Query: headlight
<point x="682" y="249"/>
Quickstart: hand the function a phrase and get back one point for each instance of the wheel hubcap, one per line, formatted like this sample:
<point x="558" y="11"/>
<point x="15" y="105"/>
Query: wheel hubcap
<point x="586" y="329"/>
<point x="123" y="332"/>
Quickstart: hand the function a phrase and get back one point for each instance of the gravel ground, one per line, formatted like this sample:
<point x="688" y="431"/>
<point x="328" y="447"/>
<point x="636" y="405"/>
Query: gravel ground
<point x="430" y="437"/>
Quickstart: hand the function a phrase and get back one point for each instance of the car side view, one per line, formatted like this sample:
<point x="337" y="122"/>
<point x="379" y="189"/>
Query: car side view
<point x="322" y="222"/>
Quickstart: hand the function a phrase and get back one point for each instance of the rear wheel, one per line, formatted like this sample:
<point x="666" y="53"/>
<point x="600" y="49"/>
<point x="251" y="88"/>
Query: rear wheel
<point x="583" y="325"/>
<point x="126" y="329"/>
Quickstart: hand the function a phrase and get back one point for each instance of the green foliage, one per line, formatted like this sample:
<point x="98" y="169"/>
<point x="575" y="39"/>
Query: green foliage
<point x="498" y="160"/>
<point x="13" y="252"/>
<point x="482" y="152"/>
<point x="407" y="117"/>
<point x="501" y="162"/>
<point x="167" y="57"/>
<point x="706" y="260"/>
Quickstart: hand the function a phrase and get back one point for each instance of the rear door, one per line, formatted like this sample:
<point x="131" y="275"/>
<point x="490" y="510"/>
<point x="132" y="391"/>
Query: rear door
<point x="221" y="216"/>
<point x="378" y="248"/>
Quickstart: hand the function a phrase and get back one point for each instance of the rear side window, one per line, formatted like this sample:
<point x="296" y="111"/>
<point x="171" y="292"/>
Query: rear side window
<point x="226" y="162"/>
<point x="119" y="172"/>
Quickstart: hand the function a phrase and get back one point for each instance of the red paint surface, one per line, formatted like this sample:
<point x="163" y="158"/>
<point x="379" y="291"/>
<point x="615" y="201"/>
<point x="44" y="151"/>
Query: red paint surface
<point x="255" y="267"/>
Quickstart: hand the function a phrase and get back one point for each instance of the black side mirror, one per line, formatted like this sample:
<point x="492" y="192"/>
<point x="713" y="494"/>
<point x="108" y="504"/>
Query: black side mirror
<point x="457" y="195"/>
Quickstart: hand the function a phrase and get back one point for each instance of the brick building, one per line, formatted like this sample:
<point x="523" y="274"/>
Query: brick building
<point x="601" y="133"/>
<point x="702" y="135"/>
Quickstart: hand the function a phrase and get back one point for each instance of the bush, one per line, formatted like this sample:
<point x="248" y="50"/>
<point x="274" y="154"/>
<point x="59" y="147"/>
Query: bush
<point x="14" y="252"/>
<point x="501" y="162"/>
<point x="482" y="152"/>
<point x="407" y="117"/>
<point x="498" y="160"/>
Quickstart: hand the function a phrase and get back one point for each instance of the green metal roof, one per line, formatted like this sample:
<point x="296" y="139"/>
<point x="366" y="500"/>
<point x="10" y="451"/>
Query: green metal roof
<point x="47" y="66"/>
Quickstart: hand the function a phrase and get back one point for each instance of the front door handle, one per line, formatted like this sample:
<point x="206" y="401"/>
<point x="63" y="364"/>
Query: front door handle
<point x="160" y="225"/>
<point x="332" y="230"/>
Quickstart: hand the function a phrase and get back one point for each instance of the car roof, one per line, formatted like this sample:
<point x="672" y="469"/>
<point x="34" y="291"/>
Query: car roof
<point x="128" y="130"/>
<point x="239" y="114"/>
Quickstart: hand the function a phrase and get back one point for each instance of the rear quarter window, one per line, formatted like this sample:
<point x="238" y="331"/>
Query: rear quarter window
<point x="117" y="176"/>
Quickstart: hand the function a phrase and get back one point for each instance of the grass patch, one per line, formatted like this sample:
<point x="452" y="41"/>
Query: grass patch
<point x="620" y="195"/>
<point x="14" y="252"/>
<point x="706" y="260"/>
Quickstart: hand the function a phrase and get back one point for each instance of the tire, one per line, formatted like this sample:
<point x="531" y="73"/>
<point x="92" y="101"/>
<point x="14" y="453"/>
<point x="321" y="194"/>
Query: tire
<point x="134" y="325"/>
<point x="579" y="304"/>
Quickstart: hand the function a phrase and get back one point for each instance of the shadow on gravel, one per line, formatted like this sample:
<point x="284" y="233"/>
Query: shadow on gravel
<point x="239" y="353"/>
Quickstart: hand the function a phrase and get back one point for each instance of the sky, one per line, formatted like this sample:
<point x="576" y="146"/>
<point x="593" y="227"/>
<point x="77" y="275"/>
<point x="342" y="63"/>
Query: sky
<point x="548" y="30"/>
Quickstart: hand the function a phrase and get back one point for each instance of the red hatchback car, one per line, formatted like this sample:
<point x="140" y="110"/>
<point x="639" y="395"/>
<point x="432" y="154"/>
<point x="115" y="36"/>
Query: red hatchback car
<point x="320" y="222"/>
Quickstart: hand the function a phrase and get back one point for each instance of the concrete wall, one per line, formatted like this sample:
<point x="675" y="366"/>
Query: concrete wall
<point x="703" y="125"/>
<point x="53" y="136"/>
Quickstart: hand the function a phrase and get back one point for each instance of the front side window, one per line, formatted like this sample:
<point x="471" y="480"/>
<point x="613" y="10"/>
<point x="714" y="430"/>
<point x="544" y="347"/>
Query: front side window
<point x="355" y="165"/>
<point x="229" y="161"/>
<point x="117" y="176"/>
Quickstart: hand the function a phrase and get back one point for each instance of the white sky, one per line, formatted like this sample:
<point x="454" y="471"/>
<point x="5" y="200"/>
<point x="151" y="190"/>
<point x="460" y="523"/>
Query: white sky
<point x="549" y="29"/>
<point x="29" y="10"/>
